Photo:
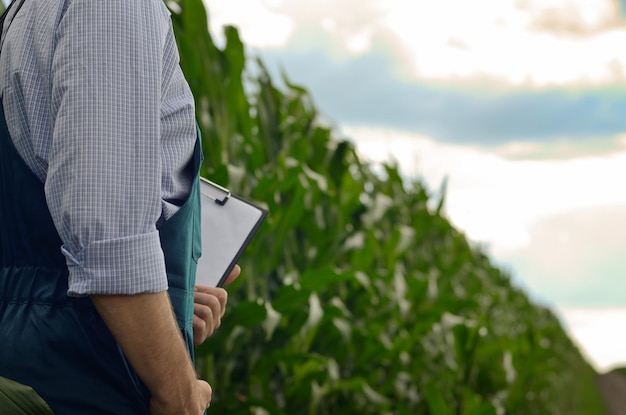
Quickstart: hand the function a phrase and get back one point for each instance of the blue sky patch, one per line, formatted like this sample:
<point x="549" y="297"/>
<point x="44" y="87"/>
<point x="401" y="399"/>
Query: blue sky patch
<point x="365" y="90"/>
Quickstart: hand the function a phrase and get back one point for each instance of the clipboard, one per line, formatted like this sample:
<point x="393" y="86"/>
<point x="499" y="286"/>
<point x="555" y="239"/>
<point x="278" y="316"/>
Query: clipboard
<point x="228" y="225"/>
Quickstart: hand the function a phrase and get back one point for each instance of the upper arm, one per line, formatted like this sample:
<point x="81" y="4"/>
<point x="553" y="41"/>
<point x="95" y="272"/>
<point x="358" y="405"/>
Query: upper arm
<point x="104" y="184"/>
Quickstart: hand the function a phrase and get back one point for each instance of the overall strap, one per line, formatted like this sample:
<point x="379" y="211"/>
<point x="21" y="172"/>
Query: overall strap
<point x="4" y="16"/>
<point x="28" y="234"/>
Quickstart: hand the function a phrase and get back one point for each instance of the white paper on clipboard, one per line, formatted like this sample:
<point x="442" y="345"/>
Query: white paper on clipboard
<point x="228" y="224"/>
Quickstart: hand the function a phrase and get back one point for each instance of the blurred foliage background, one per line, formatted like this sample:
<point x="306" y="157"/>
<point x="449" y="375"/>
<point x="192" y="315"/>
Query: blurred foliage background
<point x="357" y="296"/>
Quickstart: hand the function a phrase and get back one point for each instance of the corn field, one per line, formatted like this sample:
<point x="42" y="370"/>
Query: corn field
<point x="357" y="295"/>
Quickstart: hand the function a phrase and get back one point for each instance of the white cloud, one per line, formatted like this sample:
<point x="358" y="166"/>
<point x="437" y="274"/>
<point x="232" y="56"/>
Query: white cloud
<point x="258" y="24"/>
<point x="572" y="16"/>
<point x="600" y="334"/>
<point x="538" y="43"/>
<point x="570" y="243"/>
<point x="542" y="43"/>
<point x="573" y="257"/>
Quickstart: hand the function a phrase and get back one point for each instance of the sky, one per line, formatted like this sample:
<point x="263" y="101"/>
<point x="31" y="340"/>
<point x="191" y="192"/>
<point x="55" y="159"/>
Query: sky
<point x="520" y="104"/>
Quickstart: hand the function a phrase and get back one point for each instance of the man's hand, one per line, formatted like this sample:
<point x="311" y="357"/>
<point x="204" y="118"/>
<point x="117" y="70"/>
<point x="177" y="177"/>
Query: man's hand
<point x="146" y="330"/>
<point x="209" y="307"/>
<point x="195" y="406"/>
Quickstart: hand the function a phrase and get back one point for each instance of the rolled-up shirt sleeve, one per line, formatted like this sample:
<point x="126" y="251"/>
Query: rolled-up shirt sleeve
<point x="103" y="184"/>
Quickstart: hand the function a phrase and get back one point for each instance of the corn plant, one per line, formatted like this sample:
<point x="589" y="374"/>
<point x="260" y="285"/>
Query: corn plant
<point x="358" y="296"/>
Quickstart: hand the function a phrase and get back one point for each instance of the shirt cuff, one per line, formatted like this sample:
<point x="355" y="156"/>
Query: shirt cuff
<point x="126" y="266"/>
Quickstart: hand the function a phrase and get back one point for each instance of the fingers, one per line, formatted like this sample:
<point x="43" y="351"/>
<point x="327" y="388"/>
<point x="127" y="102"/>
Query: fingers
<point x="233" y="275"/>
<point x="205" y="394"/>
<point x="203" y="327"/>
<point x="209" y="307"/>
<point x="215" y="298"/>
<point x="201" y="330"/>
<point x="198" y="400"/>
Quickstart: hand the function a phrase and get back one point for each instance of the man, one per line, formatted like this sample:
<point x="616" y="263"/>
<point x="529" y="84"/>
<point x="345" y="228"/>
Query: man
<point x="99" y="158"/>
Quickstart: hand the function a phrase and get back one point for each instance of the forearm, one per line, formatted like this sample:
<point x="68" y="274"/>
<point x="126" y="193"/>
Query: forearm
<point x="146" y="330"/>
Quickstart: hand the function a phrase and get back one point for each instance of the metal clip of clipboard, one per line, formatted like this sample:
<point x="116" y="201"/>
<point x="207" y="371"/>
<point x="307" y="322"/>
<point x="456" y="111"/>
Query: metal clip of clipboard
<point x="219" y="201"/>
